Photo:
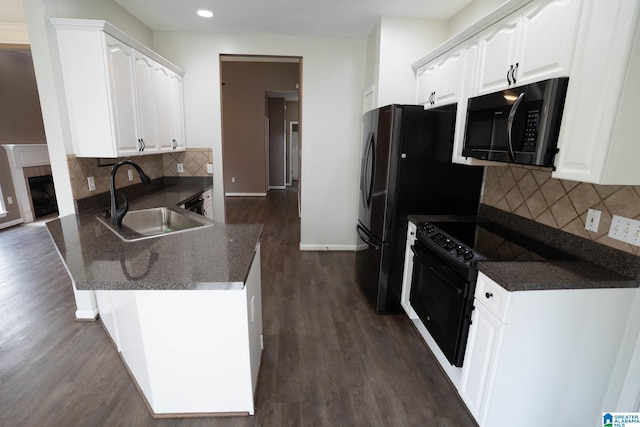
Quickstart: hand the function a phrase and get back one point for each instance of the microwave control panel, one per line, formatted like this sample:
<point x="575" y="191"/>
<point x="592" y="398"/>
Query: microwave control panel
<point x="531" y="128"/>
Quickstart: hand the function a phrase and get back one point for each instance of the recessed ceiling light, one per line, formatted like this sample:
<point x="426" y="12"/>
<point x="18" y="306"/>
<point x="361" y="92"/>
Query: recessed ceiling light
<point x="205" y="13"/>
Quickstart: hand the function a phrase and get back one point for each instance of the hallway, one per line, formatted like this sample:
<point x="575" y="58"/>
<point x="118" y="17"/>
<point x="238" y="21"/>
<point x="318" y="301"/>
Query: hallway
<point x="329" y="360"/>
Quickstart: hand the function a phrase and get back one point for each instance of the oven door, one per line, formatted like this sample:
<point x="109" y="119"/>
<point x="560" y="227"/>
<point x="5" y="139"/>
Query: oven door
<point x="439" y="296"/>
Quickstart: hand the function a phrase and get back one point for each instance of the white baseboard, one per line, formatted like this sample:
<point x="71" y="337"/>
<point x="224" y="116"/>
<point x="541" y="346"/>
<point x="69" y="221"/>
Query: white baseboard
<point x="11" y="223"/>
<point x="327" y="247"/>
<point x="245" y="194"/>
<point x="87" y="315"/>
<point x="277" y="187"/>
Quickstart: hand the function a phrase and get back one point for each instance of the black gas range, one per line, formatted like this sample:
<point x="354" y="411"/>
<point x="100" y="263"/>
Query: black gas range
<point x="446" y="254"/>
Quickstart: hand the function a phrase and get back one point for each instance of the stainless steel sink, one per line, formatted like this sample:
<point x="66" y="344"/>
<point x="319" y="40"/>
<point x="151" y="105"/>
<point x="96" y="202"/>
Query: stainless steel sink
<point x="155" y="222"/>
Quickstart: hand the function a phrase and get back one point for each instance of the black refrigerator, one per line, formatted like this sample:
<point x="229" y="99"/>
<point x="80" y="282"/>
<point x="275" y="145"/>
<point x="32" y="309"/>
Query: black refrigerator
<point x="405" y="169"/>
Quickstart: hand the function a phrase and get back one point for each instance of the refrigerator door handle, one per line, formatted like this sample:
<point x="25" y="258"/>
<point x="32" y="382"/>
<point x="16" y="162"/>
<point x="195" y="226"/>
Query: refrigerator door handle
<point x="363" y="235"/>
<point x="367" y="175"/>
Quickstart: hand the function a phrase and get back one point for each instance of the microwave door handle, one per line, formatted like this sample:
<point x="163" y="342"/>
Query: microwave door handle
<point x="512" y="115"/>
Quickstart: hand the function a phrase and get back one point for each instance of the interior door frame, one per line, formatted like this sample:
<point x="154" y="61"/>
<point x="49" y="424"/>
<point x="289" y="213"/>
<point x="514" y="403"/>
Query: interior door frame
<point x="290" y="131"/>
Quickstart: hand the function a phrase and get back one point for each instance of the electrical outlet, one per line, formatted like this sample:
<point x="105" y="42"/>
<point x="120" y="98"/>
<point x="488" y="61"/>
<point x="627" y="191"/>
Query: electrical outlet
<point x="233" y="179"/>
<point x="9" y="200"/>
<point x="180" y="167"/>
<point x="625" y="229"/>
<point x="92" y="183"/>
<point x="130" y="173"/>
<point x="593" y="220"/>
<point x="209" y="167"/>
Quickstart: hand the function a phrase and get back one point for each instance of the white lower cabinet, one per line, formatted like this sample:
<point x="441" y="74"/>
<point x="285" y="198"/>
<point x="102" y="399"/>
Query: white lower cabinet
<point x="207" y="204"/>
<point x="544" y="357"/>
<point x="191" y="352"/>
<point x="408" y="272"/>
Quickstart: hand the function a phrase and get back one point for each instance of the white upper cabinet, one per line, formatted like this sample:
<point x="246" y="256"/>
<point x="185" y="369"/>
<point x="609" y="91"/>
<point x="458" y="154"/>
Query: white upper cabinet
<point x="533" y="44"/>
<point x="425" y="83"/>
<point x="110" y="90"/>
<point x="123" y="96"/>
<point x="598" y="139"/>
<point x="438" y="81"/>
<point x="168" y="93"/>
<point x="146" y="112"/>
<point x="178" y="136"/>
<point x="498" y="55"/>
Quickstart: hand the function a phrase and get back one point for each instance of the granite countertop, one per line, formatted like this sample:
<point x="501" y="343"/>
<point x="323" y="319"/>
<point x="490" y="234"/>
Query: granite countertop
<point x="597" y="266"/>
<point x="214" y="257"/>
<point x="549" y="275"/>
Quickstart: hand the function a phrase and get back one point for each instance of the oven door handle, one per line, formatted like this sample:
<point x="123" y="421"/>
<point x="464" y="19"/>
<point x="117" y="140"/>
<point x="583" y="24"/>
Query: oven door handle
<point x="419" y="253"/>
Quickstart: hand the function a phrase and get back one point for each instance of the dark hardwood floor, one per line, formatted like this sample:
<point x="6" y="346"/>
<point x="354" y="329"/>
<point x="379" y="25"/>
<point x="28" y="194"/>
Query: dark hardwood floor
<point x="329" y="360"/>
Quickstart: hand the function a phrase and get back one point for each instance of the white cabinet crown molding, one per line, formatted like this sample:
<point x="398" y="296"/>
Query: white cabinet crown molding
<point x="507" y="8"/>
<point x="101" y="25"/>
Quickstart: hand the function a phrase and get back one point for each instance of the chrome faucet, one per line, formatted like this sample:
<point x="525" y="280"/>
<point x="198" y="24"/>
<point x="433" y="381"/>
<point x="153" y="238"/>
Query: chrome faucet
<point x="118" y="213"/>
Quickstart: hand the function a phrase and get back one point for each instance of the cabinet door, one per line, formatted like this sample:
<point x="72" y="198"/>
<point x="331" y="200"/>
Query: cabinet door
<point x="498" y="46"/>
<point x="107" y="315"/>
<point x="598" y="135"/>
<point x="425" y="84"/>
<point x="447" y="79"/>
<point x="144" y="71"/>
<point x="122" y="92"/>
<point x="178" y="138"/>
<point x="163" y="102"/>
<point x="552" y="23"/>
<point x="480" y="361"/>
<point x="408" y="272"/>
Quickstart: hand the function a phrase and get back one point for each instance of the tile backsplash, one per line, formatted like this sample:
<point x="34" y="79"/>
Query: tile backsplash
<point x="194" y="161"/>
<point x="533" y="194"/>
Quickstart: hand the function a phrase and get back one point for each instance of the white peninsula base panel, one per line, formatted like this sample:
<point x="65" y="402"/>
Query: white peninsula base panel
<point x="191" y="352"/>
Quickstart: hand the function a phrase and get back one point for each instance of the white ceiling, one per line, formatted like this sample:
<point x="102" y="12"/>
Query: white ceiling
<point x="342" y="18"/>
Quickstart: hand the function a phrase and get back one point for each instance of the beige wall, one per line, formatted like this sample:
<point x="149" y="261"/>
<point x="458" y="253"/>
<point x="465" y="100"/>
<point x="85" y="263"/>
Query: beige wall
<point x="533" y="194"/>
<point x="243" y="119"/>
<point x="20" y="115"/>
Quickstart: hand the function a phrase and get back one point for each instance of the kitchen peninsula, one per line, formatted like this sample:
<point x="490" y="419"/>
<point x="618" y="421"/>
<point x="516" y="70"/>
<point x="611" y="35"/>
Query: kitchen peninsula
<point x="184" y="310"/>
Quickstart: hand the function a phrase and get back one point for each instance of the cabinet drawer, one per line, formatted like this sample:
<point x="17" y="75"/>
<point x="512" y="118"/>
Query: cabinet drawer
<point x="492" y="296"/>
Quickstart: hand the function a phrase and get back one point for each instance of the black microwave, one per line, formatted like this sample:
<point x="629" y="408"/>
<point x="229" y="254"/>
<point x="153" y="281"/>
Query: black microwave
<point x="516" y="125"/>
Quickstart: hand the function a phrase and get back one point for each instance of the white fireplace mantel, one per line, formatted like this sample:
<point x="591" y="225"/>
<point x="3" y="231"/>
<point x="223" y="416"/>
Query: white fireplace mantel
<point x="22" y="156"/>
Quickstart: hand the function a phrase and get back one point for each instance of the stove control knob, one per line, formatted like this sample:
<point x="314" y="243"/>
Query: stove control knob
<point x="460" y="250"/>
<point x="468" y="255"/>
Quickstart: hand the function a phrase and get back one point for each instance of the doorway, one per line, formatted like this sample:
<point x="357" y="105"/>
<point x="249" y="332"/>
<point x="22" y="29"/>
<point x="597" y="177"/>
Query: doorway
<point x="294" y="160"/>
<point x="250" y="158"/>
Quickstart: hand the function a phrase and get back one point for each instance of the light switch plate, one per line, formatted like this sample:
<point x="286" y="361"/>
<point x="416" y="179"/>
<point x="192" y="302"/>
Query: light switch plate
<point x="625" y="229"/>
<point x="92" y="183"/>
<point x="593" y="220"/>
<point x="130" y="174"/>
<point x="9" y="200"/>
<point x="180" y="167"/>
<point x="209" y="167"/>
